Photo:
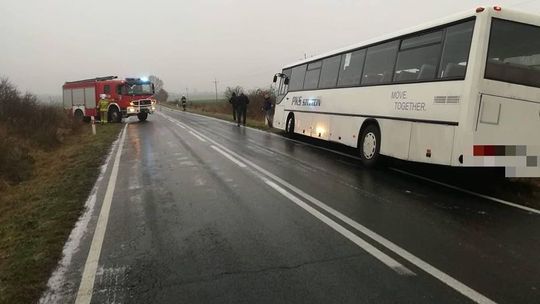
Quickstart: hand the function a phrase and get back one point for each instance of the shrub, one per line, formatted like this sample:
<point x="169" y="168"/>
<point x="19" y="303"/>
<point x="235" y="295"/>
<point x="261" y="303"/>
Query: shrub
<point x="26" y="124"/>
<point x="23" y="116"/>
<point x="15" y="161"/>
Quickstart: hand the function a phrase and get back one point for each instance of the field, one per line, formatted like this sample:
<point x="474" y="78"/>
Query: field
<point x="223" y="110"/>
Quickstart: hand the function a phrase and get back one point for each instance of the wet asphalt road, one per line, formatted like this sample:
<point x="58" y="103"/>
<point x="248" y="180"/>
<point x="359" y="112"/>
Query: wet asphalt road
<point x="207" y="212"/>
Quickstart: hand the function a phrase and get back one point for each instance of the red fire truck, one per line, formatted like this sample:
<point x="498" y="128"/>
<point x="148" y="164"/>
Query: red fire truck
<point x="129" y="97"/>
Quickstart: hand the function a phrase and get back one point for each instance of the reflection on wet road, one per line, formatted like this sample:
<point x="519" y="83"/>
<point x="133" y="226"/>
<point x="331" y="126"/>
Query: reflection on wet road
<point x="206" y="212"/>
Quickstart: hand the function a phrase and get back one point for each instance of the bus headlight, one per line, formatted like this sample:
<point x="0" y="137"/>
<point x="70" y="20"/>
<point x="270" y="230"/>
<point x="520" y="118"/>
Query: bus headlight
<point x="320" y="131"/>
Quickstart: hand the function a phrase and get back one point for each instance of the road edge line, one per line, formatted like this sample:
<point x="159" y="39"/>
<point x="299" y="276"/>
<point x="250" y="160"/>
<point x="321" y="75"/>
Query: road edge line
<point x="84" y="293"/>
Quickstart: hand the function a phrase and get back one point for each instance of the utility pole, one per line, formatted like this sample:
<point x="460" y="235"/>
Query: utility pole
<point x="215" y="84"/>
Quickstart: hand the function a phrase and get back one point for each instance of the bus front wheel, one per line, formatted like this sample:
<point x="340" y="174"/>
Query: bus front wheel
<point x="289" y="127"/>
<point x="370" y="145"/>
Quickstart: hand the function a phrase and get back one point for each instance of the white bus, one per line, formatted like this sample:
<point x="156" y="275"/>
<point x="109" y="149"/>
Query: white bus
<point x="464" y="90"/>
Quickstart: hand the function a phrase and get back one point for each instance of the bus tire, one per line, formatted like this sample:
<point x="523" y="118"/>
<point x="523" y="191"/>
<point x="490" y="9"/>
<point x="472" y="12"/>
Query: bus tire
<point x="289" y="126"/>
<point x="114" y="114"/>
<point x="370" y="145"/>
<point x="142" y="116"/>
<point x="79" y="115"/>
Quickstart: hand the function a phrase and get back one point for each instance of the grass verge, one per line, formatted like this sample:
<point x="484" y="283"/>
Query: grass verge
<point x="219" y="112"/>
<point x="37" y="215"/>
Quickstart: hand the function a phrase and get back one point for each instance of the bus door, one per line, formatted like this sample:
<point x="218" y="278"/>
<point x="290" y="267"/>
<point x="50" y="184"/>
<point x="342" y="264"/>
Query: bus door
<point x="281" y="81"/>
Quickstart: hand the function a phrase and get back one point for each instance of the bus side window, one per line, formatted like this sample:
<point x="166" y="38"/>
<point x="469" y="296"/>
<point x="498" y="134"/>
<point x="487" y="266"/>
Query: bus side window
<point x="456" y="50"/>
<point x="379" y="65"/>
<point x="329" y="72"/>
<point x="312" y="75"/>
<point x="418" y="58"/>
<point x="297" y="78"/>
<point x="350" y="72"/>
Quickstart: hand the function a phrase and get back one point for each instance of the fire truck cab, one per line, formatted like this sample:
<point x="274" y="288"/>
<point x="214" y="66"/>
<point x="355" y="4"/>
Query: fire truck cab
<point x="129" y="97"/>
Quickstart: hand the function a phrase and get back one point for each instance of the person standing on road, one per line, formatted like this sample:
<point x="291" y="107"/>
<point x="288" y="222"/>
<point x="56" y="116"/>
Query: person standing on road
<point x="267" y="108"/>
<point x="241" y="106"/>
<point x="184" y="101"/>
<point x="233" y="101"/>
<point x="103" y="108"/>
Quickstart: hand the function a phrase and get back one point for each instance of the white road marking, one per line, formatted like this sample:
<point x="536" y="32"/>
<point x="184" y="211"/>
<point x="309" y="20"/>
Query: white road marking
<point x="84" y="295"/>
<point x="57" y="280"/>
<point x="385" y="259"/>
<point x="197" y="136"/>
<point x="494" y="199"/>
<point x="498" y="200"/>
<point x="234" y="160"/>
<point x="438" y="274"/>
<point x="428" y="268"/>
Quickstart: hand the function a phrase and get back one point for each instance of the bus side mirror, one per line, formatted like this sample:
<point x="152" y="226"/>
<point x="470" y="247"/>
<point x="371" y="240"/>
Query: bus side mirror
<point x="275" y="79"/>
<point x="286" y="82"/>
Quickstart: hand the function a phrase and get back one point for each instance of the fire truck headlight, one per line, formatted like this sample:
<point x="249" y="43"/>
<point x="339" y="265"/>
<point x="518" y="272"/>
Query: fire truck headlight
<point x="131" y="110"/>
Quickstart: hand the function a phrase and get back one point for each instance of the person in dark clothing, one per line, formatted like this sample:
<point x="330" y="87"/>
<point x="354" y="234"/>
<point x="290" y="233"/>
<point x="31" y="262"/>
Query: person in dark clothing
<point x="233" y="101"/>
<point x="267" y="108"/>
<point x="184" y="102"/>
<point x="241" y="107"/>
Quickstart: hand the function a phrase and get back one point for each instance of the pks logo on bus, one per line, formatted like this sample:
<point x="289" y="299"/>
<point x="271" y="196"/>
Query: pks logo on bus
<point x="306" y="102"/>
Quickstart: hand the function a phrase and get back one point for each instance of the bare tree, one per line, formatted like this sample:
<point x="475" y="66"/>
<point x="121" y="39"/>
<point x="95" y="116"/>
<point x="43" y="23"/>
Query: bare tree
<point x="158" y="83"/>
<point x="230" y="90"/>
<point x="162" y="95"/>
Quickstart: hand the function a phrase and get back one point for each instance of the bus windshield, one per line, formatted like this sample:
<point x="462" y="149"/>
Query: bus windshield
<point x="138" y="89"/>
<point x="514" y="53"/>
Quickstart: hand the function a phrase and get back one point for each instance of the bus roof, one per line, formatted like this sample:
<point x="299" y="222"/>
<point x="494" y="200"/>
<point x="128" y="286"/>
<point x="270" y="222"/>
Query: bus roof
<point x="418" y="28"/>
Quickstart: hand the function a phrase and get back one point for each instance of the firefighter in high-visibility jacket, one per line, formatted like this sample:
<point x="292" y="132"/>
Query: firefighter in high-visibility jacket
<point x="103" y="108"/>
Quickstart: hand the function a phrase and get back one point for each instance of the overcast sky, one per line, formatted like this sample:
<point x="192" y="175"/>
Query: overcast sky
<point x="189" y="42"/>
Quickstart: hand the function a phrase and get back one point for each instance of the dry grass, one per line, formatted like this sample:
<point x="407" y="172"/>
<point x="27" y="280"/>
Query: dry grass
<point x="37" y="215"/>
<point x="222" y="109"/>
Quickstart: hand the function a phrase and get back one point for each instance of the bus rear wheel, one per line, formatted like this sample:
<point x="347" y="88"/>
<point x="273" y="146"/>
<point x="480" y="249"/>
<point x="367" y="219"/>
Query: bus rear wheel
<point x="370" y="145"/>
<point x="142" y="116"/>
